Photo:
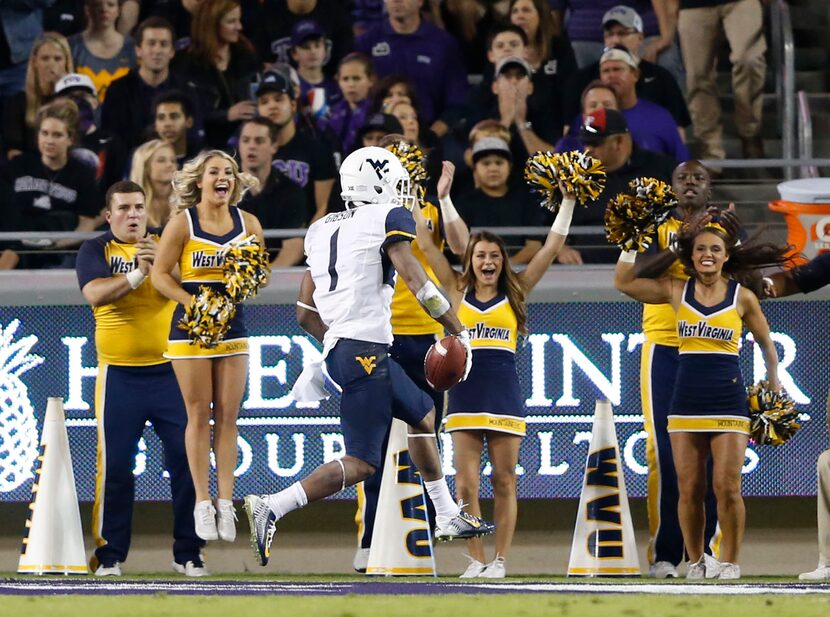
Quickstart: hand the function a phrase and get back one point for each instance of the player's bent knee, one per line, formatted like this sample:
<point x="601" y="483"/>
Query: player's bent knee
<point x="426" y="424"/>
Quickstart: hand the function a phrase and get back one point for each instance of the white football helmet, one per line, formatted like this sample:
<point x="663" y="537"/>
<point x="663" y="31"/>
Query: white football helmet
<point x="374" y="175"/>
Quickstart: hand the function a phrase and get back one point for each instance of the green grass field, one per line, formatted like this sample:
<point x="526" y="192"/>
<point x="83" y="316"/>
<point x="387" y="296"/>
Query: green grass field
<point x="444" y="606"/>
<point x="440" y="605"/>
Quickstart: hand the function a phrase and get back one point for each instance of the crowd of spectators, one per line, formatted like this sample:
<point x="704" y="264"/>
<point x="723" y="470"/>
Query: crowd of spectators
<point x="96" y="91"/>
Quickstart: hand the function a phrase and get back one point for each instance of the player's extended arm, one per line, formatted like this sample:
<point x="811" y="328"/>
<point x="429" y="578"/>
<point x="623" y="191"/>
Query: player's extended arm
<point x="307" y="314"/>
<point x="412" y="273"/>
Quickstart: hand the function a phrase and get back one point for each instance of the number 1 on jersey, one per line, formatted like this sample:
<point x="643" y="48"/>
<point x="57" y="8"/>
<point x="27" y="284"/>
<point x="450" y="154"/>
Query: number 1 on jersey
<point x="333" y="260"/>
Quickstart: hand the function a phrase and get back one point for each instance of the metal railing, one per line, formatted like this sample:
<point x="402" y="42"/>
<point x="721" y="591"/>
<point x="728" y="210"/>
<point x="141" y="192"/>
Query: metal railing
<point x="783" y="54"/>
<point x="805" y="136"/>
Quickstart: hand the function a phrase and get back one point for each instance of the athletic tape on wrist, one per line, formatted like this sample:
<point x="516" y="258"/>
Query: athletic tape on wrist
<point x="448" y="210"/>
<point x="562" y="222"/>
<point x="432" y="300"/>
<point x="628" y="257"/>
<point x="135" y="278"/>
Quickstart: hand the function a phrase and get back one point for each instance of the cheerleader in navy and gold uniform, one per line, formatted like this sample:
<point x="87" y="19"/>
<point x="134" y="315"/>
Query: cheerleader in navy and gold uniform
<point x="207" y="189"/>
<point x="490" y="300"/>
<point x="708" y="414"/>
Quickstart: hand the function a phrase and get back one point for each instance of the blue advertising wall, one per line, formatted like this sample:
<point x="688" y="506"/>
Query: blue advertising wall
<point x="576" y="352"/>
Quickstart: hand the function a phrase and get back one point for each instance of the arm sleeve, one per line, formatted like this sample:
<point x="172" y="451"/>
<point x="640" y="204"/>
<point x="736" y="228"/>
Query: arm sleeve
<point x="814" y="274"/>
<point x="90" y="263"/>
<point x="400" y="227"/>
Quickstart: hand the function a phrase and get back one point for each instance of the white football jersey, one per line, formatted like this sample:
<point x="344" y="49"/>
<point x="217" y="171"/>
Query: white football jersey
<point x="354" y="278"/>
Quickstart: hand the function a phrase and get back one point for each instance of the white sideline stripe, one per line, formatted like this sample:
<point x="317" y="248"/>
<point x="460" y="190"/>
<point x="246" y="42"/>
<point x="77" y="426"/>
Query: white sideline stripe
<point x="331" y="421"/>
<point x="324" y="588"/>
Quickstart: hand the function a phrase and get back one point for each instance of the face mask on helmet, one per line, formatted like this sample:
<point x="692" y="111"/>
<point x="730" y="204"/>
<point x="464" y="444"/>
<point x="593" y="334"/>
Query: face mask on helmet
<point x="373" y="175"/>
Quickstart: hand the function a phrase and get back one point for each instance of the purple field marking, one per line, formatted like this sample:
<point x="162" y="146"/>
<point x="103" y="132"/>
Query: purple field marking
<point x="55" y="586"/>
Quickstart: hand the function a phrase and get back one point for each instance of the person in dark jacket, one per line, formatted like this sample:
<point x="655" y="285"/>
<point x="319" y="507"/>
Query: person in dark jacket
<point x="221" y="65"/>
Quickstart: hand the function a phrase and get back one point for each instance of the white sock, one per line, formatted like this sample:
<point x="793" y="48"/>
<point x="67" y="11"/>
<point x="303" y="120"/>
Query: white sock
<point x="224" y="502"/>
<point x="439" y="493"/>
<point x="287" y="500"/>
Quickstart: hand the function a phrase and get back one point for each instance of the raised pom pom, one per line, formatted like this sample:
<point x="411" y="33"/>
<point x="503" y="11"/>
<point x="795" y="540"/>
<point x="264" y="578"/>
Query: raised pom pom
<point x="245" y="269"/>
<point x="414" y="161"/>
<point x="632" y="219"/>
<point x="773" y="418"/>
<point x="579" y="172"/>
<point x="208" y="317"/>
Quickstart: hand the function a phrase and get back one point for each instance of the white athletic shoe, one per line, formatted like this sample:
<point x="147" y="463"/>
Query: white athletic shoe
<point x="494" y="569"/>
<point x="822" y="573"/>
<point x="361" y="560"/>
<point x="191" y="568"/>
<point x="226" y="520"/>
<point x="662" y="569"/>
<point x="705" y="567"/>
<point x="729" y="571"/>
<point x="473" y="570"/>
<point x="204" y="515"/>
<point x="113" y="570"/>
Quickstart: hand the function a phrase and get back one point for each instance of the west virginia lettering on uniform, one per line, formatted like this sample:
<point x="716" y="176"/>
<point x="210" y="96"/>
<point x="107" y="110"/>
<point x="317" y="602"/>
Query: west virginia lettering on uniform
<point x="702" y="329"/>
<point x="201" y="259"/>
<point x="483" y="331"/>
<point x="119" y="265"/>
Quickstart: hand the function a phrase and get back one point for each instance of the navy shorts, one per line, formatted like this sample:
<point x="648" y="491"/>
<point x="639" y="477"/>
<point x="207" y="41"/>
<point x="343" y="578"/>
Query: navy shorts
<point x="374" y="389"/>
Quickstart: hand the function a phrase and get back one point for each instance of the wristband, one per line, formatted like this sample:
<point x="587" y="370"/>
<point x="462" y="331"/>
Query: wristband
<point x="448" y="210"/>
<point x="432" y="300"/>
<point x="628" y="257"/>
<point x="562" y="222"/>
<point x="135" y="278"/>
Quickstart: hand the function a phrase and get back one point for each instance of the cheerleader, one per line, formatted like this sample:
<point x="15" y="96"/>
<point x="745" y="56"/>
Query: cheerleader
<point x="708" y="413"/>
<point x="207" y="190"/>
<point x="490" y="300"/>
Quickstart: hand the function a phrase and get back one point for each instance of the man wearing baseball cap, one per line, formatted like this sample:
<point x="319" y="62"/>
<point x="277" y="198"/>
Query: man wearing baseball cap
<point x="605" y="134"/>
<point x="622" y="25"/>
<point x="652" y="126"/>
<point x="306" y="160"/>
<point x="377" y="127"/>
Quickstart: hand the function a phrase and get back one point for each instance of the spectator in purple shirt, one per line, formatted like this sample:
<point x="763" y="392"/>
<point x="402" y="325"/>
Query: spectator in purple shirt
<point x="308" y="51"/>
<point x="653" y="125"/>
<point x="407" y="44"/>
<point x="355" y="78"/>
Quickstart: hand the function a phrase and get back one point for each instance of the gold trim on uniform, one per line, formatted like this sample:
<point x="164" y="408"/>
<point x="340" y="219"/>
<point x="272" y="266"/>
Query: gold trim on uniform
<point x="485" y="422"/>
<point x="185" y="349"/>
<point x="709" y="424"/>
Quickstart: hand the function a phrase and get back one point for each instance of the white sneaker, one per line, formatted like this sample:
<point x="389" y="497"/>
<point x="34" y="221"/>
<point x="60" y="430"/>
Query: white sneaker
<point x="662" y="569"/>
<point x="713" y="566"/>
<point x="361" y="560"/>
<point x="494" y="569"/>
<point x="473" y="570"/>
<point x="191" y="568"/>
<point x="113" y="570"/>
<point x="705" y="567"/>
<point x="822" y="573"/>
<point x="226" y="520"/>
<point x="204" y="515"/>
<point x="729" y="571"/>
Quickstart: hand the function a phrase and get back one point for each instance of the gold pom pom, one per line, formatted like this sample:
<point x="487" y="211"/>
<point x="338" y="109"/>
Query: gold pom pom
<point x="208" y="317"/>
<point x="632" y="219"/>
<point x="245" y="269"/>
<point x="773" y="418"/>
<point x="579" y="172"/>
<point x="414" y="161"/>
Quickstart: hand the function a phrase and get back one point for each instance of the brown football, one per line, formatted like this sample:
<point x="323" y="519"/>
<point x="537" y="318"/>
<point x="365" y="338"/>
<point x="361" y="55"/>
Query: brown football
<point x="444" y="363"/>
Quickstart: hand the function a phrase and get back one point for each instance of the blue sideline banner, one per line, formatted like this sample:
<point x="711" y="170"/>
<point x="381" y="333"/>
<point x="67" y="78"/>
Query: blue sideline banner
<point x="576" y="353"/>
